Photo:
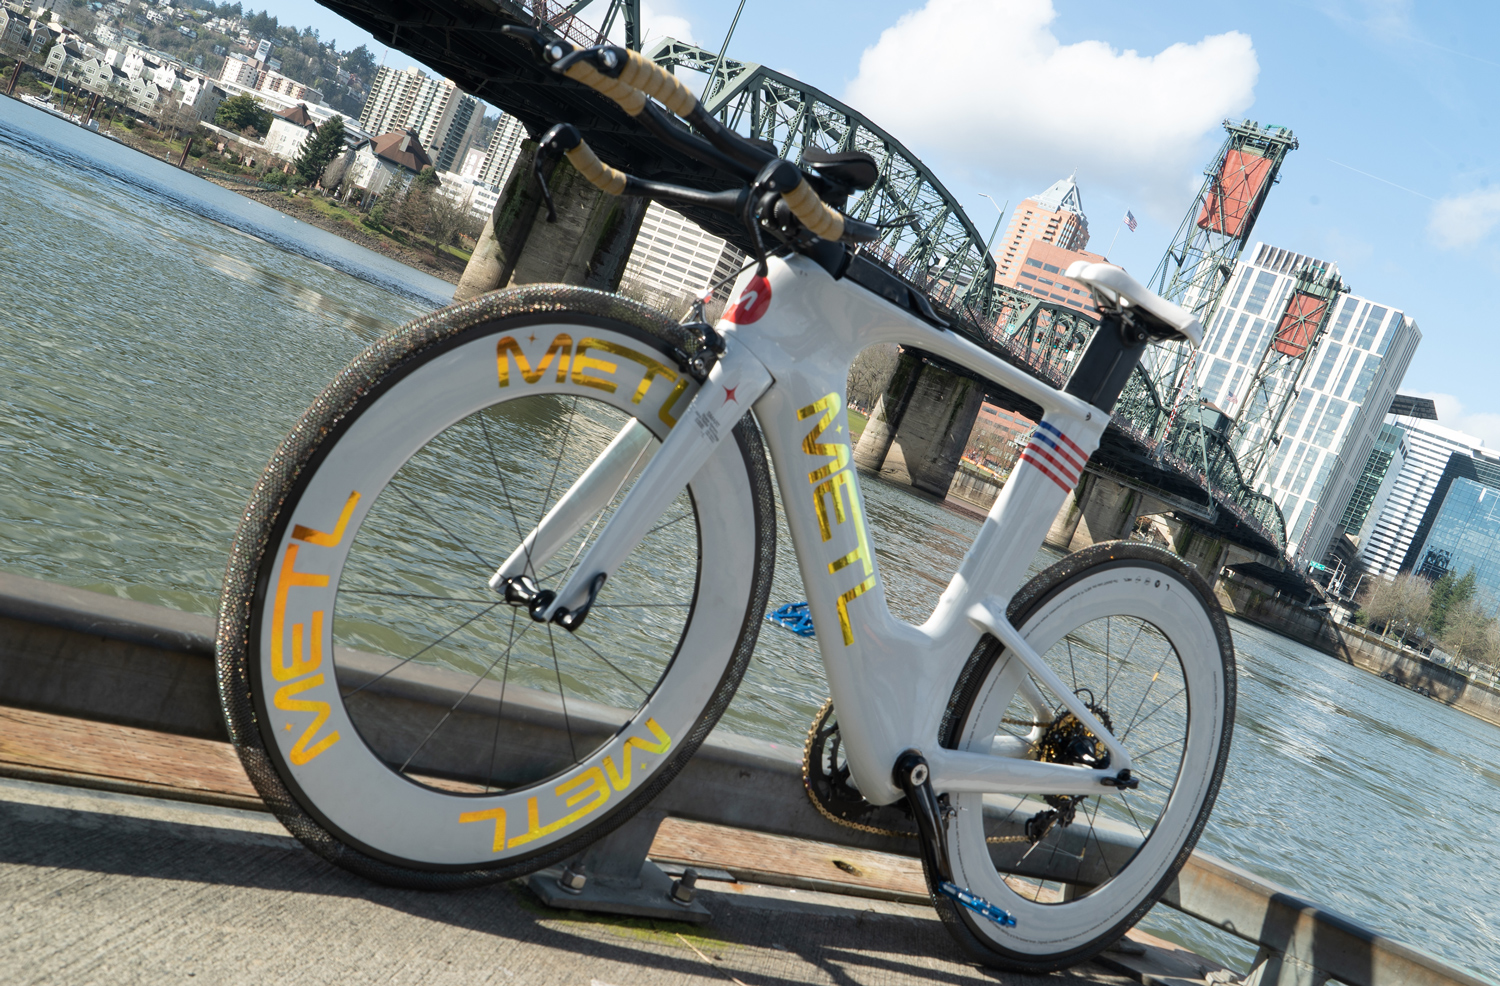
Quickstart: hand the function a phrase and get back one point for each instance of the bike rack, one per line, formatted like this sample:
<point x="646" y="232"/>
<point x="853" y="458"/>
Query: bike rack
<point x="617" y="878"/>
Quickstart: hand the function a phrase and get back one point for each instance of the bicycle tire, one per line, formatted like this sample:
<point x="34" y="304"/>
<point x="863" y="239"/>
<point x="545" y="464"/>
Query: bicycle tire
<point x="1079" y="887"/>
<point x="394" y="488"/>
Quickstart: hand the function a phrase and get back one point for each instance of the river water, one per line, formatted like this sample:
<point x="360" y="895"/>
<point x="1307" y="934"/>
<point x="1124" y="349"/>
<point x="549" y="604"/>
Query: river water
<point x="159" y="335"/>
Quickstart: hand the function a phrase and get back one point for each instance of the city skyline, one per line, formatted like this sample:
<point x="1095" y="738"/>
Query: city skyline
<point x="1423" y="202"/>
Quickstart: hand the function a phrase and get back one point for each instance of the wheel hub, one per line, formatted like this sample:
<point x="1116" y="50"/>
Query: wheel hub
<point x="1068" y="741"/>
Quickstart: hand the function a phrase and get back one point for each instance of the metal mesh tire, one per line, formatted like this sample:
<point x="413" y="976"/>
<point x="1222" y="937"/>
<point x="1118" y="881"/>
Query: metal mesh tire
<point x="360" y="382"/>
<point x="1023" y="606"/>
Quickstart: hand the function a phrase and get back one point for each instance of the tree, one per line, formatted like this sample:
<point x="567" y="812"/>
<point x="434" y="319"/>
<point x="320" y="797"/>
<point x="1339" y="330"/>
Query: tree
<point x="446" y="217"/>
<point x="870" y="372"/>
<point x="333" y="175"/>
<point x="1466" y="633"/>
<point x="242" y="113"/>
<point x="1449" y="593"/>
<point x="426" y="179"/>
<point x="1401" y="604"/>
<point x="319" y="150"/>
<point x="361" y="63"/>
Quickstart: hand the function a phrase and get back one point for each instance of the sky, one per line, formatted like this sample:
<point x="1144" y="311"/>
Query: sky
<point x="1396" y="178"/>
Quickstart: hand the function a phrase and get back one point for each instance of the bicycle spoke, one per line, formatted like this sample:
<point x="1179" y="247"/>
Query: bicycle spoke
<point x="1158" y="749"/>
<point x="662" y="527"/>
<point x="412" y="595"/>
<point x="405" y="661"/>
<point x="638" y="686"/>
<point x="454" y="708"/>
<point x="505" y="491"/>
<point x="1165" y="702"/>
<point x="430" y="519"/>
<point x="1150" y="685"/>
<point x="500" y="712"/>
<point x="1141" y="628"/>
<point x="600" y="515"/>
<point x="557" y="464"/>
<point x="567" y="723"/>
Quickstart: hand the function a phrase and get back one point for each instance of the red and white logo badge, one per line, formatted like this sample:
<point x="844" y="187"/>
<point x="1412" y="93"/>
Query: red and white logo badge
<point x="752" y="303"/>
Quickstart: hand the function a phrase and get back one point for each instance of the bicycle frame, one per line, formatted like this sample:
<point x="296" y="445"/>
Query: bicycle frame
<point x="788" y="356"/>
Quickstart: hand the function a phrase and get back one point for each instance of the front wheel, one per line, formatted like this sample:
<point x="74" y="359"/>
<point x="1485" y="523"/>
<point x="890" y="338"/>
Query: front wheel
<point x="1138" y="635"/>
<point x="397" y="714"/>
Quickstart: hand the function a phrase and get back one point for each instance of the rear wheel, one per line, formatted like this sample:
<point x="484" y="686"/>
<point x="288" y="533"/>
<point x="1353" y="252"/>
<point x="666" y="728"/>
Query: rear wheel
<point x="395" y="712"/>
<point x="1137" y="634"/>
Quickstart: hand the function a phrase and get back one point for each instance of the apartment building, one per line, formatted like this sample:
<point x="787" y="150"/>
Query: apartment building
<point x="444" y="118"/>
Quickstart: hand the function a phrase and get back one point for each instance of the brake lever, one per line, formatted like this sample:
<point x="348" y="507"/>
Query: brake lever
<point x="547" y="155"/>
<point x="547" y="49"/>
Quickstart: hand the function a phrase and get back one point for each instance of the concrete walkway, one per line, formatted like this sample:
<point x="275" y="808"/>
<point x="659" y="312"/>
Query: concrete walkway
<point x="100" y="887"/>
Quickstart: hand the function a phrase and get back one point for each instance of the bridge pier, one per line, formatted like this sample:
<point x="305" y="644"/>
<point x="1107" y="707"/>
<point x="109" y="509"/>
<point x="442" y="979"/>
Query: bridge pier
<point x="588" y="245"/>
<point x="926" y="412"/>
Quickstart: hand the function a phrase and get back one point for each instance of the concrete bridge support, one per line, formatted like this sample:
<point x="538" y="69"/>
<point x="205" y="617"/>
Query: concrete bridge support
<point x="1098" y="509"/>
<point x="885" y="417"/>
<point x="588" y="245"/>
<point x="925" y="413"/>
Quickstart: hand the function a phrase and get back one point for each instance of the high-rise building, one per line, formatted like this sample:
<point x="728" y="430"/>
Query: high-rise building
<point x="1344" y="387"/>
<point x="1460" y="529"/>
<point x="1041" y="273"/>
<point x="504" y="149"/>
<point x="676" y="257"/>
<point x="1374" y="485"/>
<point x="1055" y="217"/>
<point x="1384" y="543"/>
<point x="444" y="118"/>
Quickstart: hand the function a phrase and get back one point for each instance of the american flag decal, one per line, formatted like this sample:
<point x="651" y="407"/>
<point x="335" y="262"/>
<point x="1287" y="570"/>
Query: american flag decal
<point x="1056" y="455"/>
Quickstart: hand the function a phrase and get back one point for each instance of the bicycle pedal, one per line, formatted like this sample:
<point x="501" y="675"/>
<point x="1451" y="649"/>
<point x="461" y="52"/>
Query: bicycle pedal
<point x="977" y="904"/>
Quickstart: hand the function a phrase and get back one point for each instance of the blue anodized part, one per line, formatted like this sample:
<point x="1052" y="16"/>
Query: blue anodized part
<point x="977" y="904"/>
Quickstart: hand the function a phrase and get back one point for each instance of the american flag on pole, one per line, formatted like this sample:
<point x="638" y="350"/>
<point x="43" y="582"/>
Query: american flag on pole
<point x="1130" y="220"/>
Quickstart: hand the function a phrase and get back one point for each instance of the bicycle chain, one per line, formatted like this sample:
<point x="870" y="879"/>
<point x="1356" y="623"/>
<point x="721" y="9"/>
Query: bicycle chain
<point x="823" y="715"/>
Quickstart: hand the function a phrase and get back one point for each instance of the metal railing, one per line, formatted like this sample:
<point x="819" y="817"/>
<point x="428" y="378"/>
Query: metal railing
<point x="78" y="653"/>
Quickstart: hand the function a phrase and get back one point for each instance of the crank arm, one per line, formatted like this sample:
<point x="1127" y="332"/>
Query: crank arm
<point x="626" y="455"/>
<point x="914" y="777"/>
<point x="989" y="616"/>
<point x="734" y="384"/>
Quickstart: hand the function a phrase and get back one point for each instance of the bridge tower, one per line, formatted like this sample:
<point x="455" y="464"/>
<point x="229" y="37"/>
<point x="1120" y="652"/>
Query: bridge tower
<point x="1197" y="266"/>
<point x="1270" y="391"/>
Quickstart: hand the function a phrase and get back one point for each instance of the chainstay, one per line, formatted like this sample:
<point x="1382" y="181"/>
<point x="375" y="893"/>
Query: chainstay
<point x="812" y="732"/>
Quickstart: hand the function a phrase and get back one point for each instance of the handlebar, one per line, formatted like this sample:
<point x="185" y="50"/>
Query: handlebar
<point x="628" y="78"/>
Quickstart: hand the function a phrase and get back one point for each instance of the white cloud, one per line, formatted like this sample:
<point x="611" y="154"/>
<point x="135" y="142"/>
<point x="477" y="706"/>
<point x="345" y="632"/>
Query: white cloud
<point x="1484" y="425"/>
<point x="1461" y="221"/>
<point x="656" y="22"/>
<point x="987" y="85"/>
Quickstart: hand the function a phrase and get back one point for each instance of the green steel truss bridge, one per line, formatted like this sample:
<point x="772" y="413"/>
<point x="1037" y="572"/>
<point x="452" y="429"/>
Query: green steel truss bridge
<point x="1184" y="463"/>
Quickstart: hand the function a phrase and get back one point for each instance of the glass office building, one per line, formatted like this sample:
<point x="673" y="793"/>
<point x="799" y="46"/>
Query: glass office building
<point x="1345" y="386"/>
<point x="1460" y="531"/>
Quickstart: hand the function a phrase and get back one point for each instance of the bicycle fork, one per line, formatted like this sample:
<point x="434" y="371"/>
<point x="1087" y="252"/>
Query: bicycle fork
<point x="735" y="383"/>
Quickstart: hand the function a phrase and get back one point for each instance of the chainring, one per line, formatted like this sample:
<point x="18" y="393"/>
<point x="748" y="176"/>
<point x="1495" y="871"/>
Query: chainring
<point x="825" y="777"/>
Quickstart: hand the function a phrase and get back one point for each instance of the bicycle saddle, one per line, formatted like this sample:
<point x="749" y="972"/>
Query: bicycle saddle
<point x="1114" y="289"/>
<point x="852" y="170"/>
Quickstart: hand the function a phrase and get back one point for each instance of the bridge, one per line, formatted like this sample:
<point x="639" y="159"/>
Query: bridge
<point x="1153" y="458"/>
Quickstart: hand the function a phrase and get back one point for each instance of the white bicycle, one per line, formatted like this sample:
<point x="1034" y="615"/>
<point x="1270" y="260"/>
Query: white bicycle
<point x="501" y="580"/>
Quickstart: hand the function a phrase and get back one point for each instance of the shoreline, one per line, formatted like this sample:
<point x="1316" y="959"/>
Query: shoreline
<point x="275" y="199"/>
<point x="297" y="209"/>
